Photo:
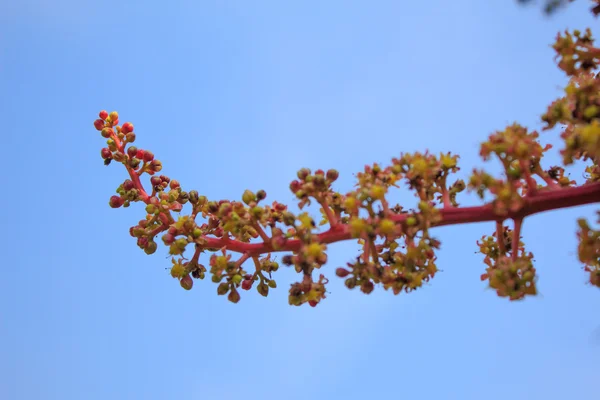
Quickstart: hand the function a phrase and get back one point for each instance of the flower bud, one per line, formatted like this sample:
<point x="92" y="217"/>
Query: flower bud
<point x="132" y="151"/>
<point x="237" y="278"/>
<point x="342" y="273"/>
<point x="303" y="173"/>
<point x="287" y="260"/>
<point x="248" y="196"/>
<point x="112" y="146"/>
<point x="130" y="137"/>
<point x="116" y="201"/>
<point x="367" y="287"/>
<point x="103" y="114"/>
<point x="234" y="296"/>
<point x="174" y="184"/>
<point x="114" y="117"/>
<point x="410" y="221"/>
<point x="186" y="282"/>
<point x="387" y="226"/>
<point x="119" y="157"/>
<point x="295" y="186"/>
<point x="99" y="124"/>
<point x="134" y="163"/>
<point x="247" y="284"/>
<point x="193" y="196"/>
<point x="107" y="132"/>
<point x="332" y="174"/>
<point x="148" y="156"/>
<point x="106" y="153"/>
<point x="127" y="127"/>
<point x="261" y="195"/>
<point x="156" y="165"/>
<point x="155" y="181"/>
<point x="263" y="289"/>
<point x="223" y="288"/>
<point x="128" y="184"/>
<point x="350" y="283"/>
<point x="150" y="247"/>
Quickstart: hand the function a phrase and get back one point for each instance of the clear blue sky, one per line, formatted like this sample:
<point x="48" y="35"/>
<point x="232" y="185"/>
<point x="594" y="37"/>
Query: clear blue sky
<point x="240" y="94"/>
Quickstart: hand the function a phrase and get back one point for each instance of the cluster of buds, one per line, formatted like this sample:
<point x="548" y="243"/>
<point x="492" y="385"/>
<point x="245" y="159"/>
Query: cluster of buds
<point x="308" y="291"/>
<point x="510" y="270"/>
<point x="118" y="137"/>
<point x="589" y="250"/>
<point x="520" y="153"/>
<point x="398" y="251"/>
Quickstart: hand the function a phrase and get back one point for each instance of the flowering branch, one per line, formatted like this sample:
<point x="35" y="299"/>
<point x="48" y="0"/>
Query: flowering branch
<point x="398" y="250"/>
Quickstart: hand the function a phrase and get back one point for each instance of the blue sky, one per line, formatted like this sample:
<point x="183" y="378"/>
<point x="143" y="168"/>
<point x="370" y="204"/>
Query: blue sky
<point x="233" y="95"/>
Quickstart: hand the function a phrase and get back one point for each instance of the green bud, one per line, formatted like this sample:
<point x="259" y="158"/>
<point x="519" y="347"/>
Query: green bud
<point x="411" y="221"/>
<point x="112" y="146"/>
<point x="237" y="279"/>
<point x="272" y="284"/>
<point x="263" y="289"/>
<point x="248" y="196"/>
<point x="193" y="196"/>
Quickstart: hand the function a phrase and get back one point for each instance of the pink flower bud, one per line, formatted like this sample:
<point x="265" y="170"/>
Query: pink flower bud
<point x="155" y="181"/>
<point x="103" y="114"/>
<point x="99" y="124"/>
<point x="128" y="184"/>
<point x="148" y="156"/>
<point x="247" y="284"/>
<point x="116" y="201"/>
<point x="127" y="127"/>
<point x="106" y="153"/>
<point x="295" y="186"/>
